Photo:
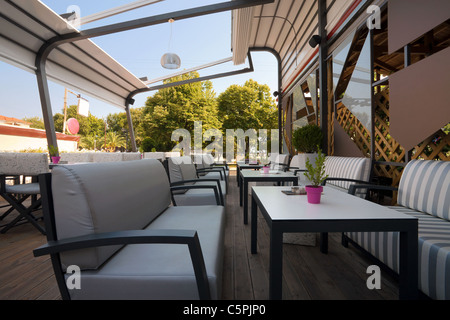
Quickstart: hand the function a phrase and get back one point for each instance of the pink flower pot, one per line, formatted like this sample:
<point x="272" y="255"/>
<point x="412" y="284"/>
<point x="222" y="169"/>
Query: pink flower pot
<point x="266" y="169"/>
<point x="55" y="160"/>
<point x="313" y="194"/>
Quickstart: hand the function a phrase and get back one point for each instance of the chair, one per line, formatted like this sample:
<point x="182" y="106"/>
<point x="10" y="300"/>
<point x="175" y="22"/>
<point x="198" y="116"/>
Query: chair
<point x="182" y="172"/>
<point x="125" y="238"/>
<point x="26" y="164"/>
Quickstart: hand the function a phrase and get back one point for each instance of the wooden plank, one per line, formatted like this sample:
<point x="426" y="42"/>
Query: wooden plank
<point x="307" y="273"/>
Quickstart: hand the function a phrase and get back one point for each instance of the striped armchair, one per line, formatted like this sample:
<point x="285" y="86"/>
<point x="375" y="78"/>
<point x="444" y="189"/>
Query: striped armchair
<point x="424" y="192"/>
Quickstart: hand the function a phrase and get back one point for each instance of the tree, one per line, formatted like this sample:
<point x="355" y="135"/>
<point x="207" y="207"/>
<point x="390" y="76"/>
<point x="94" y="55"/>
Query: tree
<point x="179" y="107"/>
<point x="247" y="107"/>
<point x="113" y="141"/>
<point x="36" y="122"/>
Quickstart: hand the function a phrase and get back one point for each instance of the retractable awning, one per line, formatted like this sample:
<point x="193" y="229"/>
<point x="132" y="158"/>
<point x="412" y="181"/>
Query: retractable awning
<point x="285" y="27"/>
<point x="25" y="25"/>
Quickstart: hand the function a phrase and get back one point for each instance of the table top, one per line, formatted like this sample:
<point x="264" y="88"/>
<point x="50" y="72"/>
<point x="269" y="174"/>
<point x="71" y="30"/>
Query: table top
<point x="260" y="173"/>
<point x="249" y="165"/>
<point x="334" y="205"/>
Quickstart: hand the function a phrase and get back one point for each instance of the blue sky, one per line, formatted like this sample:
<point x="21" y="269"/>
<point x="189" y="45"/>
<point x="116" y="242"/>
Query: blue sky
<point x="197" y="41"/>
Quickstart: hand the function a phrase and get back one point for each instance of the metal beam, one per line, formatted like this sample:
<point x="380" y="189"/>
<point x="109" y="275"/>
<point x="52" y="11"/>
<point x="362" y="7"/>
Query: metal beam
<point x="180" y="83"/>
<point x="279" y="90"/>
<point x="146" y="22"/>
<point x="117" y="10"/>
<point x="323" y="72"/>
<point x="48" y="46"/>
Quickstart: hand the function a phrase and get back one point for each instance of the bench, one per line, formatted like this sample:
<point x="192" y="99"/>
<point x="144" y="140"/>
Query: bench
<point x="115" y="222"/>
<point x="423" y="192"/>
<point x="342" y="172"/>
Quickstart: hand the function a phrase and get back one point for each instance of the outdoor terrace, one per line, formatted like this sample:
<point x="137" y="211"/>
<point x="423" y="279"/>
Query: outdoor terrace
<point x="307" y="273"/>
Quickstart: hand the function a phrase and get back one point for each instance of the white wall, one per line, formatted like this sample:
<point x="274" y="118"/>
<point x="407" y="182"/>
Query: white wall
<point x="17" y="143"/>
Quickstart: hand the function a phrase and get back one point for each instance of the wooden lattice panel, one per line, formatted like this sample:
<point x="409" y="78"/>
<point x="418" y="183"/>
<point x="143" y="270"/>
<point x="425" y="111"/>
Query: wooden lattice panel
<point x="436" y="147"/>
<point x="354" y="128"/>
<point x="386" y="148"/>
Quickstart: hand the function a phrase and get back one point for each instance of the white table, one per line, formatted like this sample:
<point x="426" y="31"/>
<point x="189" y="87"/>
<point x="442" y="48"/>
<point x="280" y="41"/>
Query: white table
<point x="247" y="176"/>
<point x="337" y="212"/>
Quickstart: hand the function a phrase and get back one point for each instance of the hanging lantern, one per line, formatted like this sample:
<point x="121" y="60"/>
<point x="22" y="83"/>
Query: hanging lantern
<point x="170" y="60"/>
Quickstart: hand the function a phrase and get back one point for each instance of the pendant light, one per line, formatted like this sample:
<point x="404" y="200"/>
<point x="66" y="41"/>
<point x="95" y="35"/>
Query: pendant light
<point x="170" y="60"/>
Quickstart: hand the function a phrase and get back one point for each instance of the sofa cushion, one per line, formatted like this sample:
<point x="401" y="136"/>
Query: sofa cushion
<point x="433" y="246"/>
<point x="425" y="186"/>
<point x="99" y="197"/>
<point x="162" y="271"/>
<point x="347" y="167"/>
<point x="197" y="197"/>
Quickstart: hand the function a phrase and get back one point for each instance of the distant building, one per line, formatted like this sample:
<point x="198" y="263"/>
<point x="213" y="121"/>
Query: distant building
<point x="16" y="135"/>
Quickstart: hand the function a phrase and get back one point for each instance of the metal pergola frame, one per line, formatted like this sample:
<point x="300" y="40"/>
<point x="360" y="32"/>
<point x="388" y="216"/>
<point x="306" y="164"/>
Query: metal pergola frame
<point x="51" y="44"/>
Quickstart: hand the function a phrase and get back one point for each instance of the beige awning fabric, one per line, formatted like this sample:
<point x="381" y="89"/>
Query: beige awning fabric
<point x="285" y="26"/>
<point x="25" y="25"/>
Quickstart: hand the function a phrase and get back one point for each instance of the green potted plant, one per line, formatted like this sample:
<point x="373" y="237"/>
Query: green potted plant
<point x="316" y="175"/>
<point x="54" y="153"/>
<point x="307" y="140"/>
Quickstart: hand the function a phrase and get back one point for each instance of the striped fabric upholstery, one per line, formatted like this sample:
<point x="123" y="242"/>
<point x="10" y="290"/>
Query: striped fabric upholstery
<point x="425" y="186"/>
<point x="423" y="193"/>
<point x="347" y="167"/>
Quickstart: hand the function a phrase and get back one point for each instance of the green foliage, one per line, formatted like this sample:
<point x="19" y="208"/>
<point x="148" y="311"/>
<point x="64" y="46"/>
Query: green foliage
<point x="113" y="141"/>
<point x="177" y="107"/>
<point x="316" y="174"/>
<point x="35" y="122"/>
<point x="250" y="106"/>
<point x="307" y="139"/>
<point x="53" y="150"/>
<point x="149" y="145"/>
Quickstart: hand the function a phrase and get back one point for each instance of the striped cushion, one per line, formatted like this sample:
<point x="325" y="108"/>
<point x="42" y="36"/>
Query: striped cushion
<point x="434" y="251"/>
<point x="347" y="167"/>
<point x="425" y="186"/>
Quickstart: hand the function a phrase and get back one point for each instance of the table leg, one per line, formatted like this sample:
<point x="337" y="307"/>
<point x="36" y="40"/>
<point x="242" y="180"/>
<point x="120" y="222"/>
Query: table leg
<point x="245" y="195"/>
<point x="237" y="175"/>
<point x="324" y="242"/>
<point x="408" y="278"/>
<point x="254" y="226"/>
<point x="240" y="191"/>
<point x="276" y="264"/>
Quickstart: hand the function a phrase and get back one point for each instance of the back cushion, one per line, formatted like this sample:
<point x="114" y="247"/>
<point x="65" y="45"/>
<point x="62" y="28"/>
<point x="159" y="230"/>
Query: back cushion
<point x="105" y="197"/>
<point x="347" y="167"/>
<point x="181" y="168"/>
<point x="424" y="186"/>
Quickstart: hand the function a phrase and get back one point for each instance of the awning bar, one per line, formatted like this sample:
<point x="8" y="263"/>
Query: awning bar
<point x="204" y="66"/>
<point x="117" y="10"/>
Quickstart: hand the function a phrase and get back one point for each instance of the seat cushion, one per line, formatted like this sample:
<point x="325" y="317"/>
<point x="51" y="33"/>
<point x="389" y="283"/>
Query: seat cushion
<point x="28" y="188"/>
<point x="195" y="197"/>
<point x="434" y="251"/>
<point x="162" y="271"/>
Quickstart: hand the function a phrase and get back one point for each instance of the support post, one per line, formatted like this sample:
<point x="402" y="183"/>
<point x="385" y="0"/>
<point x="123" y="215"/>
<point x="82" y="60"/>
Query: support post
<point x="323" y="71"/>
<point x="130" y="125"/>
<point x="46" y="105"/>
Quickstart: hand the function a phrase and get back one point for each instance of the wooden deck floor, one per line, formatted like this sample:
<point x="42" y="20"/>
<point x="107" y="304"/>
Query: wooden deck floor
<point x="307" y="273"/>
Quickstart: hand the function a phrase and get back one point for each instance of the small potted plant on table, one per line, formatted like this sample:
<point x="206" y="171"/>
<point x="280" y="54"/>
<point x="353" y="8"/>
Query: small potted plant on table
<point x="316" y="175"/>
<point x="54" y="153"/>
